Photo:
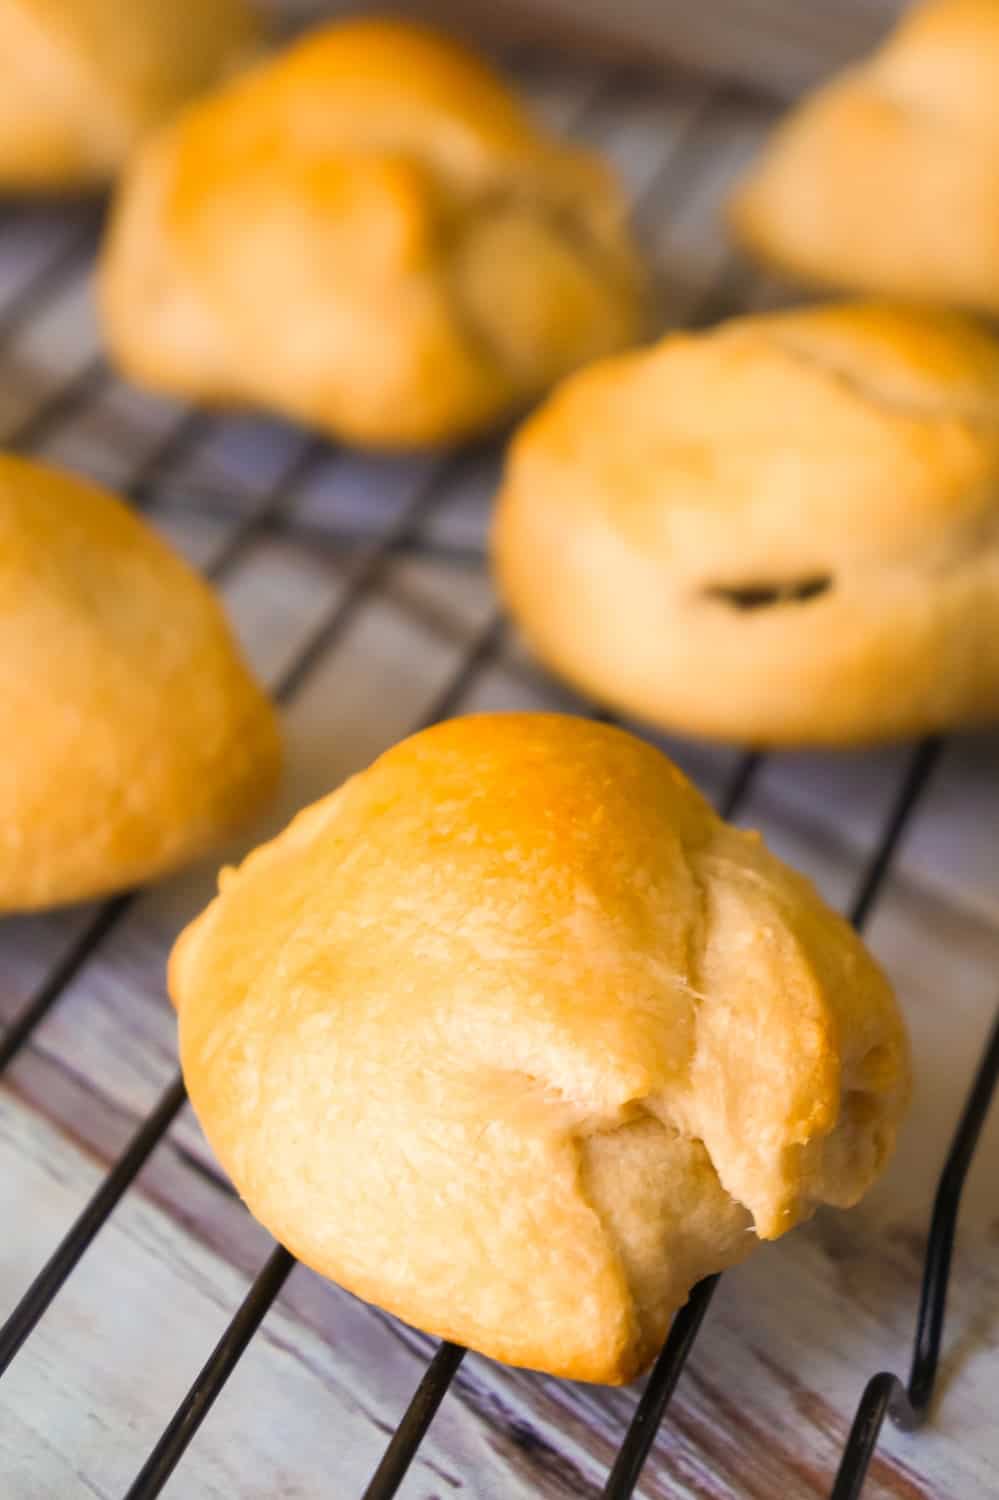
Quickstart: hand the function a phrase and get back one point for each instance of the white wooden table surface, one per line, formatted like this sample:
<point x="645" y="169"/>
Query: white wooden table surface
<point x="765" y="1402"/>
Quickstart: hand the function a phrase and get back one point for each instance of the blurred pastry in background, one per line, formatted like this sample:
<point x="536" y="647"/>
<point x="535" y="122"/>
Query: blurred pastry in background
<point x="134" y="736"/>
<point x="887" y="179"/>
<point x="516" y="1038"/>
<point x="82" y="81"/>
<point x="368" y="234"/>
<point x="784" y="531"/>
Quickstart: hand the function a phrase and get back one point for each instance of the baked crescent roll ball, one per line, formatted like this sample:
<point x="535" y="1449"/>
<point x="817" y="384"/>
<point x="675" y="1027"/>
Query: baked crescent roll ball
<point x="81" y="81"/>
<point x="784" y="531"/>
<point x="514" y="1037"/>
<point x="887" y="179"/>
<point x="133" y="735"/>
<point x="370" y="235"/>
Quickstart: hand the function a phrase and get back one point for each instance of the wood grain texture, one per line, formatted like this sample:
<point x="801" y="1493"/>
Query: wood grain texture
<point x="765" y="1403"/>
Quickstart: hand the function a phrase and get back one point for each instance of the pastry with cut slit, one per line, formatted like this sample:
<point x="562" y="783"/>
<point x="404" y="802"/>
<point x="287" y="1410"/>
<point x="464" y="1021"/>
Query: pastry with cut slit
<point x="782" y="531"/>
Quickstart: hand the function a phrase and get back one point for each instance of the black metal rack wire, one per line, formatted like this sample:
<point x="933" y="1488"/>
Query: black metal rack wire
<point x="885" y="1394"/>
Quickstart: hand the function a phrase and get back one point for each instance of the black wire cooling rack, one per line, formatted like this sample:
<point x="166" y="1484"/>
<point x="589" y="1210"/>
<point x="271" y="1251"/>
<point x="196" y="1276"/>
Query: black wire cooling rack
<point x="886" y="1393"/>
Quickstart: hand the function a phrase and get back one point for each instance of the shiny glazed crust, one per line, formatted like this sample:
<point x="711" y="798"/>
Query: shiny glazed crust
<point x="81" y="81"/>
<point x="134" y="737"/>
<point x="514" y="1037"/>
<point x="784" y="531"/>
<point x="887" y="179"/>
<point x="369" y="234"/>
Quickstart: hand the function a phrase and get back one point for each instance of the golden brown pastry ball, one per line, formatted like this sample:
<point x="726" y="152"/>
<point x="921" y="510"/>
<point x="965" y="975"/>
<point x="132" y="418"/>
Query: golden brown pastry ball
<point x="514" y="1037"/>
<point x="370" y="235"/>
<point x="134" y="737"/>
<point x="887" y="179"/>
<point x="81" y="81"/>
<point x="784" y="531"/>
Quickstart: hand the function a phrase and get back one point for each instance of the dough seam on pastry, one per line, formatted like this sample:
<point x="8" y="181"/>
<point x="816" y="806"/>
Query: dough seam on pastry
<point x="570" y="230"/>
<point x="877" y="394"/>
<point x="811" y="1134"/>
<point x="576" y="231"/>
<point x="691" y="985"/>
<point x="572" y="227"/>
<point x="475" y="333"/>
<point x="644" y="1300"/>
